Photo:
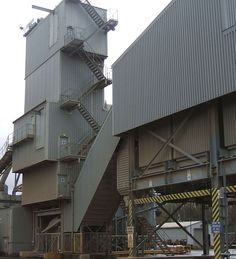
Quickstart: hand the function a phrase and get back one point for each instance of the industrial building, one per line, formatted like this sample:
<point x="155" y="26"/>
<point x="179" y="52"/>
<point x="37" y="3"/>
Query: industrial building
<point x="169" y="136"/>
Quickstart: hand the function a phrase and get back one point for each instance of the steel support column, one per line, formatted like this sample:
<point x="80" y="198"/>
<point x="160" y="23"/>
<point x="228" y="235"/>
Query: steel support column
<point x="205" y="231"/>
<point x="131" y="228"/>
<point x="215" y="143"/>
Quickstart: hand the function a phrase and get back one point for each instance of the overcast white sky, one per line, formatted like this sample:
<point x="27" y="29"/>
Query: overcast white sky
<point x="133" y="15"/>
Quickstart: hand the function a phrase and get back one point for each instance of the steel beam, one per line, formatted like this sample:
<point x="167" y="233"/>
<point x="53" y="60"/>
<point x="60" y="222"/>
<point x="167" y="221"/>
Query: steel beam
<point x="176" y="148"/>
<point x="176" y="221"/>
<point x="163" y="147"/>
<point x="43" y="9"/>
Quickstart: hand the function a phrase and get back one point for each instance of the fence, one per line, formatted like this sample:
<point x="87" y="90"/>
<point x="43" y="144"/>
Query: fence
<point x="48" y="242"/>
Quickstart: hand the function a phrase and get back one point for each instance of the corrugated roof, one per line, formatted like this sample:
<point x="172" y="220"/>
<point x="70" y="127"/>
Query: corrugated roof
<point x="183" y="223"/>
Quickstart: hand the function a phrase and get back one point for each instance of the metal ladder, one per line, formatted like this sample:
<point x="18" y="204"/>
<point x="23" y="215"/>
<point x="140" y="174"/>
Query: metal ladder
<point x="88" y="117"/>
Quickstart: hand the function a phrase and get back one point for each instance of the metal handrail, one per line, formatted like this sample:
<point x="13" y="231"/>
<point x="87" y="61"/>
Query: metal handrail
<point x="77" y="148"/>
<point x="23" y="132"/>
<point x="7" y="146"/>
<point x="106" y="71"/>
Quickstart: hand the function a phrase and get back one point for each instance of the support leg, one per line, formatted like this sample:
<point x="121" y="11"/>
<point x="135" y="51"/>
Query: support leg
<point x="205" y="231"/>
<point x="131" y="228"/>
<point x="216" y="220"/>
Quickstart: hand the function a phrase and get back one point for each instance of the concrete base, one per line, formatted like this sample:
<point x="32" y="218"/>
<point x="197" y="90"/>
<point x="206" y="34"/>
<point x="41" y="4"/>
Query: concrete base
<point x="88" y="256"/>
<point x="91" y="256"/>
<point x="169" y="257"/>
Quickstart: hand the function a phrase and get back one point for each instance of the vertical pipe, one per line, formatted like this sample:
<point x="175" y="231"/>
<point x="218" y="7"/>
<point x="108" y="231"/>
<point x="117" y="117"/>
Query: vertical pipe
<point x="205" y="233"/>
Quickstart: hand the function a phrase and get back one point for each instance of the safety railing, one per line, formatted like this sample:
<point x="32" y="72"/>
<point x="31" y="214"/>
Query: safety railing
<point x="106" y="71"/>
<point x="48" y="242"/>
<point x="23" y="133"/>
<point x="92" y="242"/>
<point x="76" y="150"/>
<point x="7" y="146"/>
<point x="74" y="35"/>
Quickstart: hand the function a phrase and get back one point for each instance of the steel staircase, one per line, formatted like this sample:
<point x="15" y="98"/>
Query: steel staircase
<point x="90" y="62"/>
<point x="88" y="117"/>
<point x="106" y="26"/>
<point x="154" y="238"/>
<point x="6" y="154"/>
<point x="95" y="192"/>
<point x="84" y="146"/>
<point x="92" y="12"/>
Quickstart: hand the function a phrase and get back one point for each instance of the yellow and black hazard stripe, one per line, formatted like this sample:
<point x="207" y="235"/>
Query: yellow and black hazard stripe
<point x="217" y="247"/>
<point x="216" y="218"/>
<point x="180" y="196"/>
<point x="231" y="189"/>
<point x="215" y="205"/>
<point x="172" y="197"/>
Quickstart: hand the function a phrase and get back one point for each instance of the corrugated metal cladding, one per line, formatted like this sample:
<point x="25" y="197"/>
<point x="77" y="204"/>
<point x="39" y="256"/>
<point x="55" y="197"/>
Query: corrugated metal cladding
<point x="229" y="115"/>
<point x="38" y="48"/>
<point x="228" y="13"/>
<point x="123" y="168"/>
<point x="43" y="84"/>
<point x="195" y="134"/>
<point x="70" y="124"/>
<point x="178" y="62"/>
<point x="49" y="73"/>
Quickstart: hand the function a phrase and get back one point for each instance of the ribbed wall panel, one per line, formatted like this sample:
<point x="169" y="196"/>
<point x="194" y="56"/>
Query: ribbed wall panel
<point x="178" y="62"/>
<point x="37" y="42"/>
<point x="195" y="134"/>
<point x="228" y="13"/>
<point x="75" y="76"/>
<point x="123" y="165"/>
<point x="66" y="123"/>
<point x="43" y="84"/>
<point x="229" y="115"/>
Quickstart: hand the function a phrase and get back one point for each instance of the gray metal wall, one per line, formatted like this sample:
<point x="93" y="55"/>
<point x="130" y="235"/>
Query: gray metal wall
<point x="93" y="170"/>
<point x="50" y="74"/>
<point x="28" y="153"/>
<point x="46" y="67"/>
<point x="172" y="166"/>
<point x="44" y="83"/>
<point x="123" y="167"/>
<point x="182" y="59"/>
<point x="78" y="18"/>
<point x="40" y="184"/>
<point x="15" y="230"/>
<point x="38" y="49"/>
